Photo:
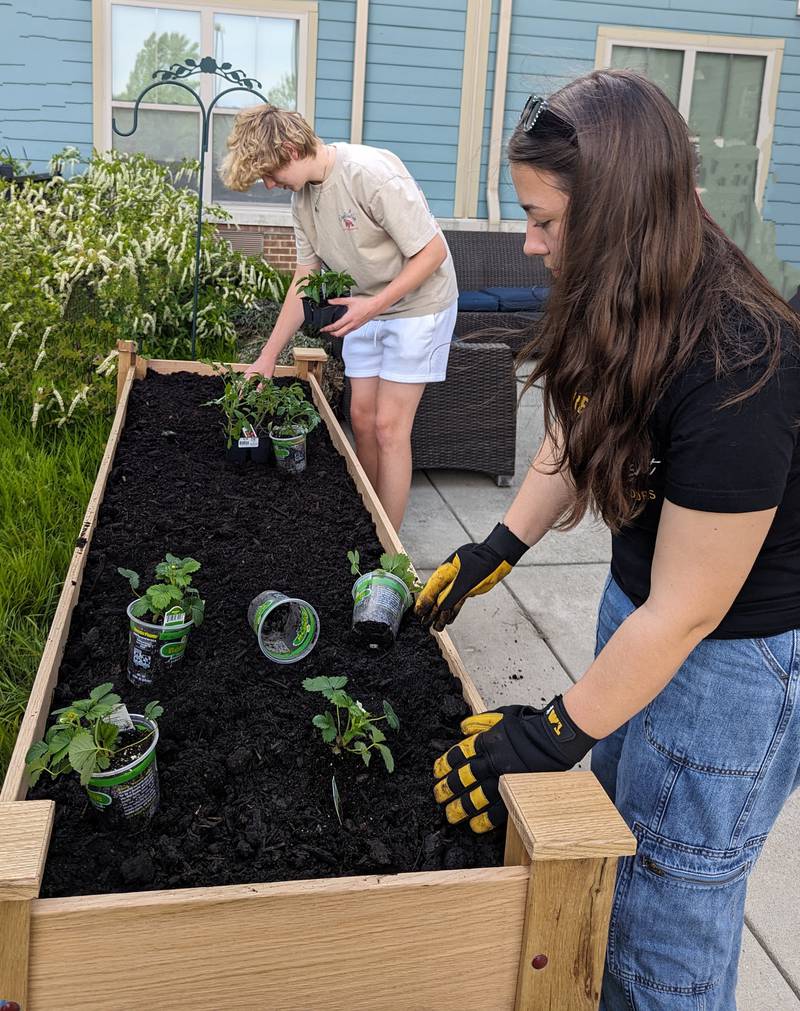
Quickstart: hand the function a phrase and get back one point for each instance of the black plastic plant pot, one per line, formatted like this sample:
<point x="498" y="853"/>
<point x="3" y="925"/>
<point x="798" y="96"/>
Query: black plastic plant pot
<point x="128" y="795"/>
<point x="287" y="627"/>
<point x="255" y="448"/>
<point x="322" y="314"/>
<point x="290" y="449"/>
<point x="380" y="599"/>
<point x="153" y="648"/>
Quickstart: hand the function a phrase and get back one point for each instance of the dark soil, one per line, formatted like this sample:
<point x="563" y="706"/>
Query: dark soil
<point x="245" y="777"/>
<point x="130" y="745"/>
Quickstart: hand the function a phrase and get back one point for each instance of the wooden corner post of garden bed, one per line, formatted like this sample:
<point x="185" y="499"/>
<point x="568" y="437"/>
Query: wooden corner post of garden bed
<point x="564" y="825"/>
<point x="127" y="360"/>
<point x="309" y="361"/>
<point x="24" y="835"/>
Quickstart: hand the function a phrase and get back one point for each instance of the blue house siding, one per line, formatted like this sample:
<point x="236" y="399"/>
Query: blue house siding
<point x="45" y="78"/>
<point x="547" y="52"/>
<point x="483" y="210"/>
<point x="335" y="47"/>
<point x="46" y="75"/>
<point x="413" y="90"/>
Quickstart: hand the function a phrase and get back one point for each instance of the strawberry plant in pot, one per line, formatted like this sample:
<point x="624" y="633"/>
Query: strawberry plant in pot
<point x="293" y="418"/>
<point x="245" y="403"/>
<point x="316" y="288"/>
<point x="173" y="606"/>
<point x="111" y="750"/>
<point x="381" y="597"/>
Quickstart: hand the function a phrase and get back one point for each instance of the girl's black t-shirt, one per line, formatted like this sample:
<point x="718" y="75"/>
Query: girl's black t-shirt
<point x="740" y="458"/>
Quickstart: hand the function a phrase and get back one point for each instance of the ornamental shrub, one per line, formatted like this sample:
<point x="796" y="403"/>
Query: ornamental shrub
<point x="103" y="255"/>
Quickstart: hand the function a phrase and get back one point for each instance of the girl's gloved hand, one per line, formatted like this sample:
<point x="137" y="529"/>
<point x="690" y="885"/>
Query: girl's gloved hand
<point x="470" y="570"/>
<point x="510" y="739"/>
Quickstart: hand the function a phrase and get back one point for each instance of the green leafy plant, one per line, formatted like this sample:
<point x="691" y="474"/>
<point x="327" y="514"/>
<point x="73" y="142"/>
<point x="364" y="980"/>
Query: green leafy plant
<point x="82" y="739"/>
<point x="320" y="285"/>
<point x="349" y="727"/>
<point x="396" y="565"/>
<point x="245" y="402"/>
<point x="173" y="589"/>
<point x="291" y="411"/>
<point x="107" y="252"/>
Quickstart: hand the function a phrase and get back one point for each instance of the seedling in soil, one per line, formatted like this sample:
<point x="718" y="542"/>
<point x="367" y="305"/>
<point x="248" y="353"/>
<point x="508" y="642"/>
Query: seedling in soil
<point x="396" y="565"/>
<point x="320" y="285"/>
<point x="84" y="740"/>
<point x="292" y="412"/>
<point x="174" y="589"/>
<point x="245" y="402"/>
<point x="351" y="728"/>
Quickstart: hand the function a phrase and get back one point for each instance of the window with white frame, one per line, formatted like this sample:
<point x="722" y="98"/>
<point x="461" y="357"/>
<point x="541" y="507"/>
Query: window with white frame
<point x="726" y="89"/>
<point x="268" y="41"/>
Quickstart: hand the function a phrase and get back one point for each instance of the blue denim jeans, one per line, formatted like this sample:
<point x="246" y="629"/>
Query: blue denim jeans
<point x="699" y="775"/>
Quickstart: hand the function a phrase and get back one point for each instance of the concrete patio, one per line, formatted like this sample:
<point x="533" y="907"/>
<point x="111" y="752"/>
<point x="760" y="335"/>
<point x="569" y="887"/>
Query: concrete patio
<point x="533" y="635"/>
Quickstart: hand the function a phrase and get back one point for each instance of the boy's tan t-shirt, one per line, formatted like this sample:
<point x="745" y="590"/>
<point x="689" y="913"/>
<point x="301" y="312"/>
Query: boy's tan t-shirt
<point x="368" y="218"/>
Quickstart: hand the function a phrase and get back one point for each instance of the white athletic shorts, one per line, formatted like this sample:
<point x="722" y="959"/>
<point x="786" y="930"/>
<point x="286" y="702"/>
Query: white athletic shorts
<point x="414" y="349"/>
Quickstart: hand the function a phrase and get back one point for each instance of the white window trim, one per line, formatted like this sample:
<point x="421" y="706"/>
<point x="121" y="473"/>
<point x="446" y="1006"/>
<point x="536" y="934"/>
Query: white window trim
<point x="306" y="13"/>
<point x="693" y="42"/>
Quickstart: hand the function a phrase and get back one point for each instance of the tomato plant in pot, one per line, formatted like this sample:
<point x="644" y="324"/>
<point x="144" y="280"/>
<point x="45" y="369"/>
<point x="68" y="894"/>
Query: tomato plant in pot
<point x="381" y="597"/>
<point x="112" y="751"/>
<point x="173" y="606"/>
<point x="316" y="288"/>
<point x="293" y="418"/>
<point x="245" y="404"/>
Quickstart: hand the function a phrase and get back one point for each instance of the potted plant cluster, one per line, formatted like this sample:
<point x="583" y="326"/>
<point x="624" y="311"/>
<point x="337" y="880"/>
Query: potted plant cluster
<point x="293" y="418"/>
<point x="111" y="750"/>
<point x="381" y="597"/>
<point x="245" y="403"/>
<point x="316" y="289"/>
<point x="173" y="607"/>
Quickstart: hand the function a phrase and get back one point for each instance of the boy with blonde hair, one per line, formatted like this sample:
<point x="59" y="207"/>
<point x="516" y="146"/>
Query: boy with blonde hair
<point x="358" y="209"/>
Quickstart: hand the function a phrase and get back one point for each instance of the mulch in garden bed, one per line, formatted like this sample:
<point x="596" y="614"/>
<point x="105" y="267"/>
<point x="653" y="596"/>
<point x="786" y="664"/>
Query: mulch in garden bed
<point x="245" y="777"/>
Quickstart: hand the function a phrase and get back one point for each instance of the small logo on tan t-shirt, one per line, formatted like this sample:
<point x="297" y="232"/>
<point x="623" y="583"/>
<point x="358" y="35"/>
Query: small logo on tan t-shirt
<point x="348" y="220"/>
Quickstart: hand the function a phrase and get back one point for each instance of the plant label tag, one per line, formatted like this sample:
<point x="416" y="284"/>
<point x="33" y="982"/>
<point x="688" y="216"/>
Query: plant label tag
<point x="174" y="616"/>
<point x="248" y="439"/>
<point x="120" y="717"/>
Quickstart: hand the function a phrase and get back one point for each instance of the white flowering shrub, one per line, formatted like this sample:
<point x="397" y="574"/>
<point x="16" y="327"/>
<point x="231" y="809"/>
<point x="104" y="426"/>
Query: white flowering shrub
<point x="108" y="254"/>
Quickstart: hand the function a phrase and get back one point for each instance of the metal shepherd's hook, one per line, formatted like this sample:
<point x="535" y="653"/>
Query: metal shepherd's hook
<point x="173" y="76"/>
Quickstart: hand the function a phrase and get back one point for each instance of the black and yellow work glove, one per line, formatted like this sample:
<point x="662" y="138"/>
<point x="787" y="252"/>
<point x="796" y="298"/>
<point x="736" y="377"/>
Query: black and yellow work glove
<point x="470" y="570"/>
<point x="510" y="739"/>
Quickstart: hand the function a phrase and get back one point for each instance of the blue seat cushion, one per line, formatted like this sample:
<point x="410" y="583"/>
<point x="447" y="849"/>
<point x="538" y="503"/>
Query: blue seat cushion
<point x="477" y="301"/>
<point x="503" y="299"/>
<point x="519" y="299"/>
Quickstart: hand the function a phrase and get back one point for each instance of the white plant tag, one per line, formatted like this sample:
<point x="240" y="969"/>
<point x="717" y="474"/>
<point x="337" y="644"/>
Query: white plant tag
<point x="120" y="717"/>
<point x="248" y="439"/>
<point x="174" y="616"/>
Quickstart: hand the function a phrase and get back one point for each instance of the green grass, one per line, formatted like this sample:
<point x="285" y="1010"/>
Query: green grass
<point x="45" y="482"/>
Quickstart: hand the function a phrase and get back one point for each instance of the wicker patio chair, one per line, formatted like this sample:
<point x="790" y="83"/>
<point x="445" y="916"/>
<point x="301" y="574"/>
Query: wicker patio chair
<point x="468" y="422"/>
<point x="496" y="260"/>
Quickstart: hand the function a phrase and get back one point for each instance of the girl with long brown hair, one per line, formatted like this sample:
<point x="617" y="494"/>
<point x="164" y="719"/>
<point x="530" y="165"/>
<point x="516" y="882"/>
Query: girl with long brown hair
<point x="671" y="389"/>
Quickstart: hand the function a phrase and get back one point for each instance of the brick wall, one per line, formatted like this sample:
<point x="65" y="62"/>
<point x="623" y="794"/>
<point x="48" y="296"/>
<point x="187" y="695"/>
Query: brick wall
<point x="274" y="242"/>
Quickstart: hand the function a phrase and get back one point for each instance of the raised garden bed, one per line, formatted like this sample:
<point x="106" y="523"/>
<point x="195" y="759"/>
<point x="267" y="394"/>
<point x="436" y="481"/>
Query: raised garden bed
<point x="234" y="896"/>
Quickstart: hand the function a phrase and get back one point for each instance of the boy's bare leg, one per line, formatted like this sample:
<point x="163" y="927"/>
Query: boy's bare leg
<point x="363" y="413"/>
<point x="396" y="406"/>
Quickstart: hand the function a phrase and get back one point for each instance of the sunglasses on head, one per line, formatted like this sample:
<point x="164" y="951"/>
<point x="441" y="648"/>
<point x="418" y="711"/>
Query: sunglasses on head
<point x="533" y="110"/>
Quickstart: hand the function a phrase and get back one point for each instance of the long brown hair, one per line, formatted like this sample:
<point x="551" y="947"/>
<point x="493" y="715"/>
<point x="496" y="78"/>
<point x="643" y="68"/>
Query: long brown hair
<point x="645" y="278"/>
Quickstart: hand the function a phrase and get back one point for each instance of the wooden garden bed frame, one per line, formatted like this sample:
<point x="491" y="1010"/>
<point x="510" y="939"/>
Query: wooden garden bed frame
<point x="529" y="935"/>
